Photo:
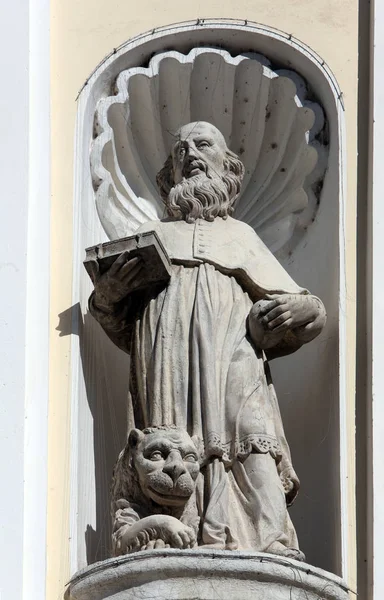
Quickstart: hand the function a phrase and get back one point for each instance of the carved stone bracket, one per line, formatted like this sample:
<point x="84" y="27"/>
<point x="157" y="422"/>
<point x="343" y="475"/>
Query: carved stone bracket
<point x="207" y="575"/>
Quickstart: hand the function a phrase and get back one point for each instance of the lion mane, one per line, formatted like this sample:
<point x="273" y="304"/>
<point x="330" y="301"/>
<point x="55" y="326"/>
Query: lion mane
<point x="129" y="503"/>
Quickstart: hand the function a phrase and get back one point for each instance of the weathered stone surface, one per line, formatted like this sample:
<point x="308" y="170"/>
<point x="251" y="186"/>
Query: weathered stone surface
<point x="154" y="491"/>
<point x="265" y="115"/>
<point x="199" y="347"/>
<point x="204" y="575"/>
<point x="146" y="246"/>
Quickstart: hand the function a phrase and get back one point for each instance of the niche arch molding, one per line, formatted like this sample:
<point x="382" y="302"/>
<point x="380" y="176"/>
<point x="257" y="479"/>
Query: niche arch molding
<point x="314" y="408"/>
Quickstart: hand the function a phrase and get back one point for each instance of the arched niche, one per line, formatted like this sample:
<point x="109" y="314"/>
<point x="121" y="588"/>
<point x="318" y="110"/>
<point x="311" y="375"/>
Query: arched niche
<point x="310" y="383"/>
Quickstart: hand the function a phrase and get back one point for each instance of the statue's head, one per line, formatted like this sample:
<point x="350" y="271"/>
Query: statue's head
<point x="159" y="463"/>
<point x="202" y="177"/>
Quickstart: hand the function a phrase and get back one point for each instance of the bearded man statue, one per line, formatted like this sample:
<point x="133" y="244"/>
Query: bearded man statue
<point x="200" y="345"/>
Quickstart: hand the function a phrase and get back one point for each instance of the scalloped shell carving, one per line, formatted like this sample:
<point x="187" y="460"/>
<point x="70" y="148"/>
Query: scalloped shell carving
<point x="264" y="114"/>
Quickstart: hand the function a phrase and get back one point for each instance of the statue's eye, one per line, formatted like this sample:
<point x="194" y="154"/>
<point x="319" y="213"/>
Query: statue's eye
<point x="156" y="455"/>
<point x="182" y="152"/>
<point x="190" y="458"/>
<point x="203" y="145"/>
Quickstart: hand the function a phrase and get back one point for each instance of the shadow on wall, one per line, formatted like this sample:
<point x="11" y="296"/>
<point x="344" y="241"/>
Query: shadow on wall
<point x="309" y="405"/>
<point x="105" y="372"/>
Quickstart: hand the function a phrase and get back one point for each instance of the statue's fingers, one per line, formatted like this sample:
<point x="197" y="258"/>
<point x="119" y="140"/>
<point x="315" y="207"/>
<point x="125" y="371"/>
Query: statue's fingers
<point x="284" y="326"/>
<point x="151" y="545"/>
<point x="279" y="320"/>
<point x="267" y="307"/>
<point x="130" y="265"/>
<point x="119" y="262"/>
<point x="129" y="273"/>
<point x="274" y="313"/>
<point x="160" y="544"/>
<point x="167" y="546"/>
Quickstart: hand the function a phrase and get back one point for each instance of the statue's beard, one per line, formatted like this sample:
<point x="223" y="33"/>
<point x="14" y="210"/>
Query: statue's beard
<point x="203" y="197"/>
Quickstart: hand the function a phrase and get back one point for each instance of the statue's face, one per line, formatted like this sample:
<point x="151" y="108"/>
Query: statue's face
<point x="200" y="148"/>
<point x="167" y="465"/>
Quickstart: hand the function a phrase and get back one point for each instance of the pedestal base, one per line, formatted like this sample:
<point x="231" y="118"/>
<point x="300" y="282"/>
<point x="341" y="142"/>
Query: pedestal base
<point x="204" y="575"/>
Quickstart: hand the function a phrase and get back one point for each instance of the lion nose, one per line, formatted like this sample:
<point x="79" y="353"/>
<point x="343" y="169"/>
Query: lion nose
<point x="174" y="466"/>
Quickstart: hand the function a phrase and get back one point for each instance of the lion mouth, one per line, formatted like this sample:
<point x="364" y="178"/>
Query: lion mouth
<point x="174" y="498"/>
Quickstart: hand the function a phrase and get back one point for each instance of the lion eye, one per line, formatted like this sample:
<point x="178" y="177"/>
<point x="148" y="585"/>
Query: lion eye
<point x="190" y="457"/>
<point x="156" y="455"/>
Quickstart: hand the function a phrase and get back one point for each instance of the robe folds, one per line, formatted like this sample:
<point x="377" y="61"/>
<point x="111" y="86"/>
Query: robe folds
<point x="194" y="365"/>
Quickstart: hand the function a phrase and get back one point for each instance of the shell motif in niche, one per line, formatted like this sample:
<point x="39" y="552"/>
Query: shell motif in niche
<point x="266" y="116"/>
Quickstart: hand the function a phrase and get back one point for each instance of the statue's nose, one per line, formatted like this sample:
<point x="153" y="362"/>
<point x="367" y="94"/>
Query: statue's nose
<point x="174" y="466"/>
<point x="192" y="152"/>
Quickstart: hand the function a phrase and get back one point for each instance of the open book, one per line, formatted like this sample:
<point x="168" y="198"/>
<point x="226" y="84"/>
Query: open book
<point x="99" y="258"/>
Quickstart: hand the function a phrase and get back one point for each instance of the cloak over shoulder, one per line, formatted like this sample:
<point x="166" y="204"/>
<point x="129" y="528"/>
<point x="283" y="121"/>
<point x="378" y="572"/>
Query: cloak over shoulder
<point x="232" y="247"/>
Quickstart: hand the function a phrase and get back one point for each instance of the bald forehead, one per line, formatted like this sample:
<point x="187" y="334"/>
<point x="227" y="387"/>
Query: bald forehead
<point x="200" y="129"/>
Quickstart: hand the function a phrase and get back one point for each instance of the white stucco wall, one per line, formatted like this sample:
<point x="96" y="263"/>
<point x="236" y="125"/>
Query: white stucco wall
<point x="13" y="229"/>
<point x="24" y="298"/>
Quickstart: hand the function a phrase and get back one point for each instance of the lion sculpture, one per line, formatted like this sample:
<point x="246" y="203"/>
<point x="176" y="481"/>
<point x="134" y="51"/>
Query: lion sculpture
<point x="154" y="500"/>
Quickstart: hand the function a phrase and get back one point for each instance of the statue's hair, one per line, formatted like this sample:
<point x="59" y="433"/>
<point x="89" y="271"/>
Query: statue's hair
<point x="232" y="180"/>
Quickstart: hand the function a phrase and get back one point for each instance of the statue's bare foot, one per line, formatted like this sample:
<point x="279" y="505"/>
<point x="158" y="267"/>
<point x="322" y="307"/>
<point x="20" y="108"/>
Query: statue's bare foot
<point x="281" y="550"/>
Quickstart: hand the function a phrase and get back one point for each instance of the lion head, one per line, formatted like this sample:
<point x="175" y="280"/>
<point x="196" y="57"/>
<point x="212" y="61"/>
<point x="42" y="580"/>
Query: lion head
<point x="157" y="470"/>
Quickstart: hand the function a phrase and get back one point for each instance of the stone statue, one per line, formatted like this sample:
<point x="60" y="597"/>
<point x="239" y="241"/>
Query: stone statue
<point x="153" y="491"/>
<point x="200" y="346"/>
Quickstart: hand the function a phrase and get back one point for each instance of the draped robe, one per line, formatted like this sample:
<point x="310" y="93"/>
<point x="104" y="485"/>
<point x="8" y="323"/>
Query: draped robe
<point x="194" y="365"/>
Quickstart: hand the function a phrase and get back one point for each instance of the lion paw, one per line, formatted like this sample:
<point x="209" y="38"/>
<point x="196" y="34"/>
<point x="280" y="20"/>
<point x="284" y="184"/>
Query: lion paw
<point x="177" y="535"/>
<point x="155" y="544"/>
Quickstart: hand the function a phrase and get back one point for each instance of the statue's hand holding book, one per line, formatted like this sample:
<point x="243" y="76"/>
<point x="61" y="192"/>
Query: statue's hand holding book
<point x="124" y="266"/>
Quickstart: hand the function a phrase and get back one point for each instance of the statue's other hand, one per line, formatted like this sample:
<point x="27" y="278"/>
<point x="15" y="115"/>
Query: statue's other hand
<point x="123" y="277"/>
<point x="260" y="333"/>
<point x="288" y="311"/>
<point x="271" y="319"/>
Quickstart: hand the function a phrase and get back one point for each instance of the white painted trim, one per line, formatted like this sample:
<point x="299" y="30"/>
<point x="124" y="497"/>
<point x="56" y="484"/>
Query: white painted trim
<point x="75" y="362"/>
<point x="24" y="301"/>
<point x="274" y="44"/>
<point x="37" y="307"/>
<point x="378" y="301"/>
<point x="228" y="24"/>
<point x="343" y="408"/>
<point x="13" y="227"/>
<point x="81" y="189"/>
